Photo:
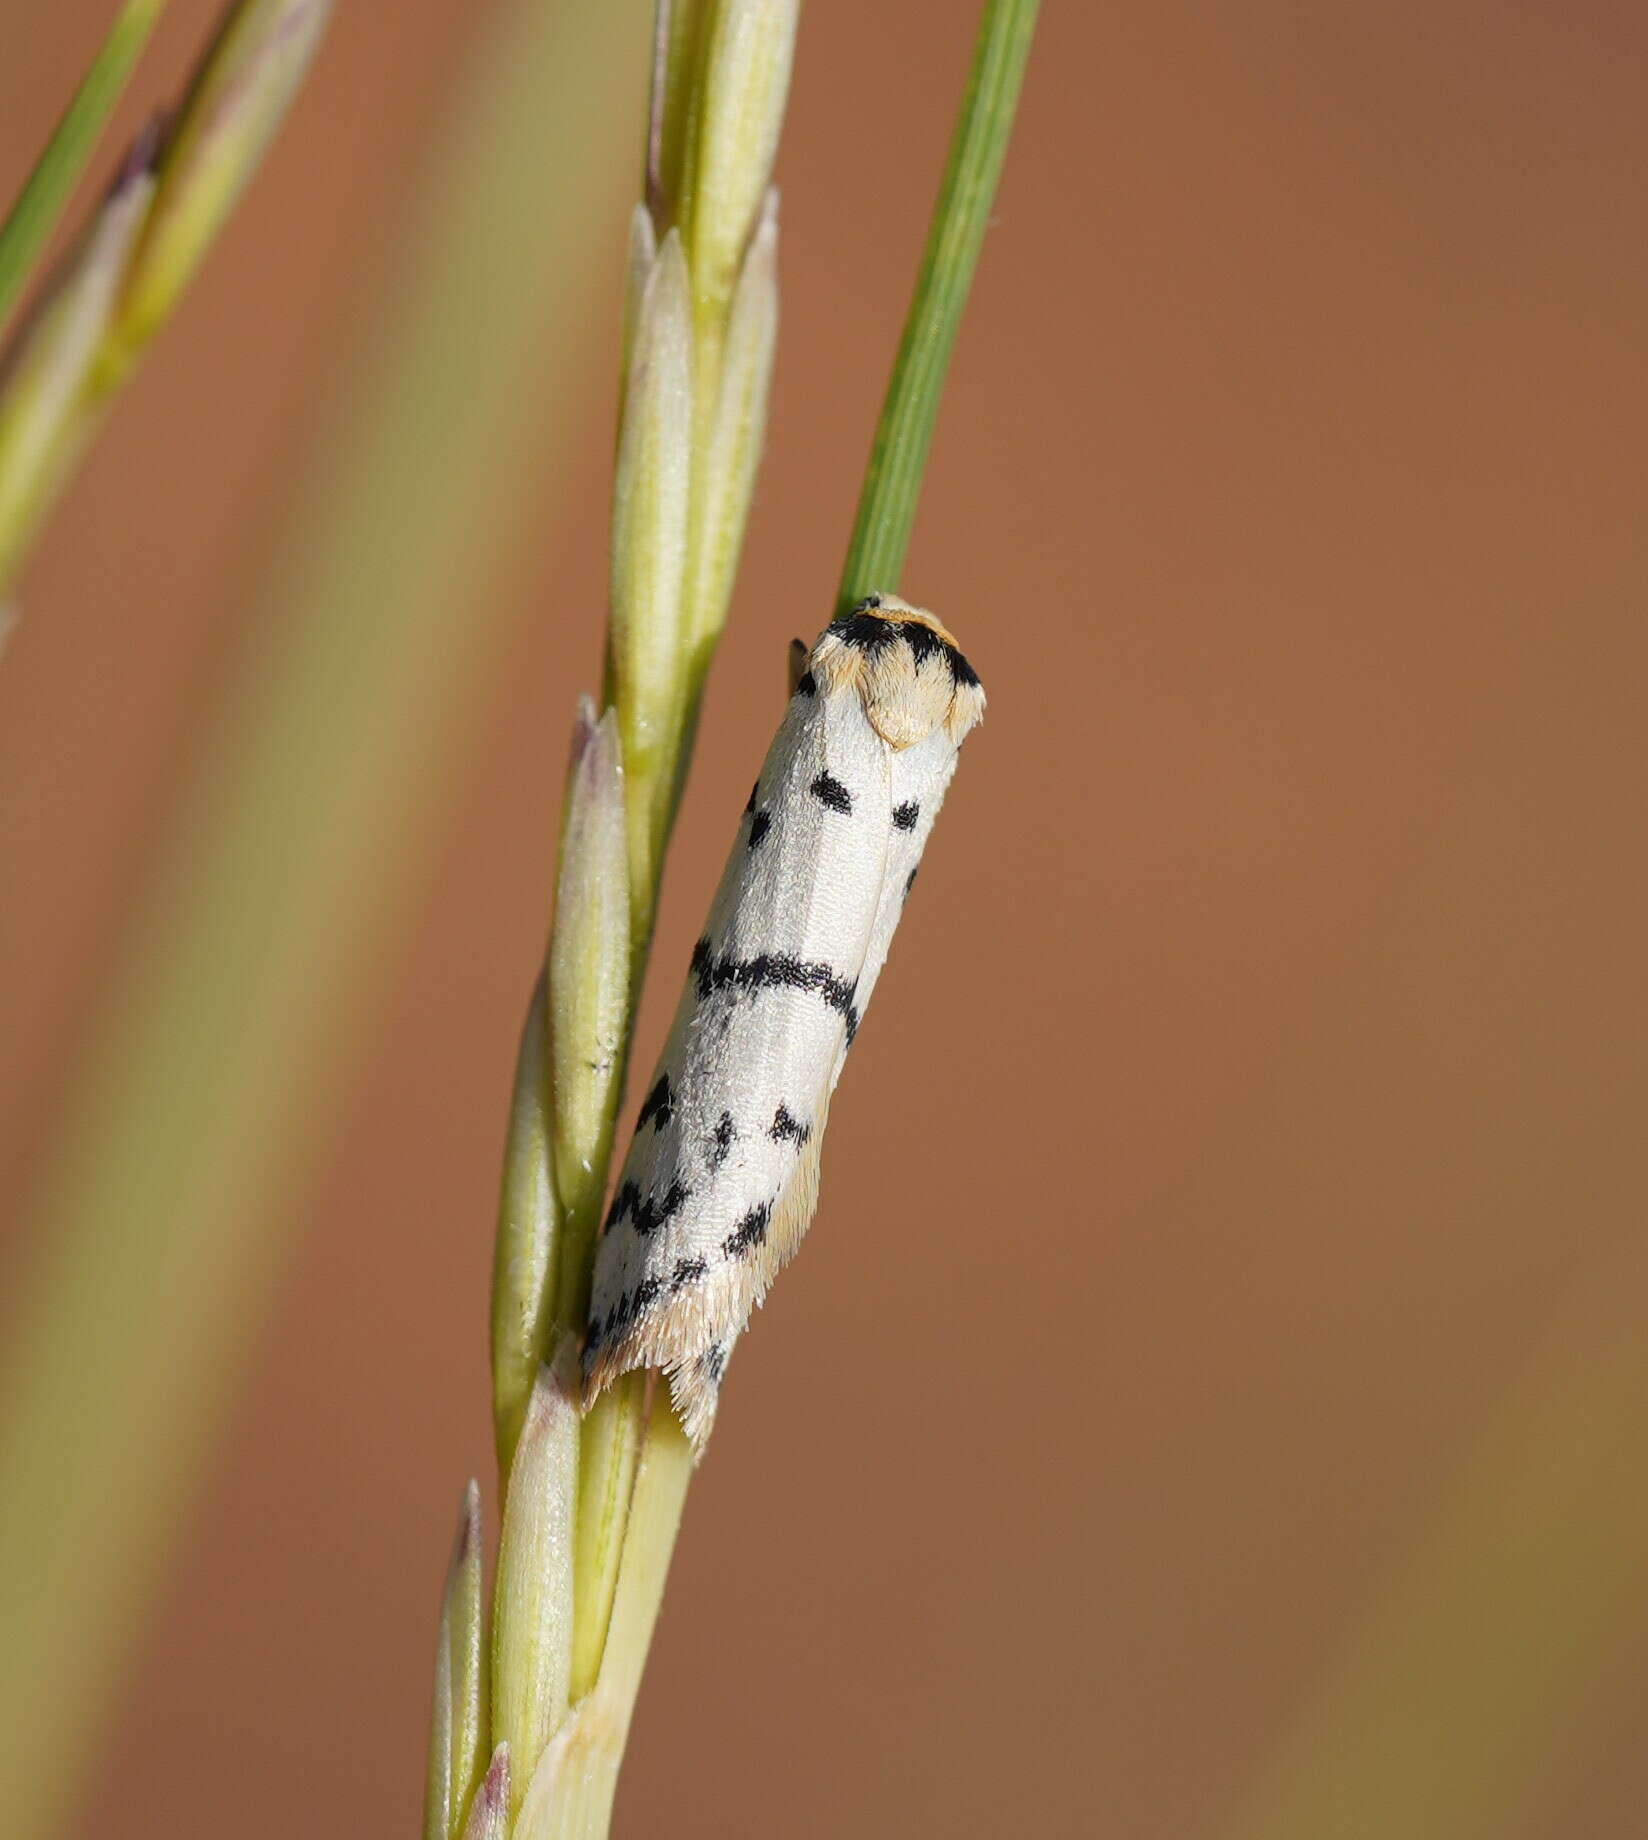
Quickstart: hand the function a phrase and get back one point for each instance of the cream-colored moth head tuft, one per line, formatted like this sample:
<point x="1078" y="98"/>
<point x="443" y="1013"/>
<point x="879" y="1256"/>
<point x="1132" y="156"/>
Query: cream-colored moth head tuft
<point x="908" y="671"/>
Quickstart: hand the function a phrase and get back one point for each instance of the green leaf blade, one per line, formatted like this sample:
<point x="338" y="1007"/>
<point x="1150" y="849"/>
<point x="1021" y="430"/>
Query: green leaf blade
<point x="46" y="190"/>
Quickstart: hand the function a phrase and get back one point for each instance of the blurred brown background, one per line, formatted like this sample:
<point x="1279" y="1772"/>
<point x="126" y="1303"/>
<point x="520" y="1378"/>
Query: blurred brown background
<point x="1257" y="1090"/>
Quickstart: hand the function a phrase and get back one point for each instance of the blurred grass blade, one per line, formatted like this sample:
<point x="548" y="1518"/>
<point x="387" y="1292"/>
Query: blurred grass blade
<point x="1457" y="1702"/>
<point x="532" y="1596"/>
<point x="489" y="1812"/>
<point x="52" y="356"/>
<point x="193" y="1124"/>
<point x="458" y="1728"/>
<point x="239" y="95"/>
<point x="46" y="191"/>
<point x="528" y="1237"/>
<point x="887" y="506"/>
<point x="237" y="99"/>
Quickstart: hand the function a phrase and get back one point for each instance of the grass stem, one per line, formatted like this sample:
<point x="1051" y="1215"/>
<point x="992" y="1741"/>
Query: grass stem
<point x="898" y="458"/>
<point x="46" y="190"/>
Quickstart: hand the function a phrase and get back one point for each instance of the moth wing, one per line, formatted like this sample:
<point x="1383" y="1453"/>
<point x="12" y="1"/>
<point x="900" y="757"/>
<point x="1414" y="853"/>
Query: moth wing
<point x="722" y="1174"/>
<point x="918" y="778"/>
<point x="695" y="1384"/>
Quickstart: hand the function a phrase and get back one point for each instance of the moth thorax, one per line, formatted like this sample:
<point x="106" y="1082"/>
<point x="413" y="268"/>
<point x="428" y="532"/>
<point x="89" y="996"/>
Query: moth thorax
<point x="906" y="698"/>
<point x="907" y="670"/>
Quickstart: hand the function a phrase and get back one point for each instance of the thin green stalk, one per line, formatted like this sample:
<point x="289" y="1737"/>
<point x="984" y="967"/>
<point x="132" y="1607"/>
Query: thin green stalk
<point x="887" y="505"/>
<point x="185" y="1144"/>
<point x="41" y="201"/>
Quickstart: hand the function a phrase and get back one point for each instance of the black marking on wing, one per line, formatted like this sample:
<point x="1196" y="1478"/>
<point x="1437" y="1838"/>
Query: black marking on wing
<point x="625" y="1202"/>
<point x="785" y="1126"/>
<point x="760" y="824"/>
<point x="687" y="1271"/>
<point x="749" y="804"/>
<point x="658" y="1107"/>
<point x="905" y="815"/>
<point x="603" y="1329"/>
<point x="626" y="1309"/>
<point x="773" y="971"/>
<point x="712" y="1363"/>
<point x="749" y="1233"/>
<point x="806" y="684"/>
<point x="720" y="1141"/>
<point x="650" y="1214"/>
<point x="910" y="881"/>
<point x="831" y="794"/>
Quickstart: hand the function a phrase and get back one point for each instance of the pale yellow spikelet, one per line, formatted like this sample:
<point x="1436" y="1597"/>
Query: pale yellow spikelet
<point x="458" y="1727"/>
<point x="489" y="1808"/>
<point x="533" y="1592"/>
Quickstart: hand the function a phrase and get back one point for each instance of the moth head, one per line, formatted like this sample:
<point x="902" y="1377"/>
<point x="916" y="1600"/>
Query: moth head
<point x="907" y="670"/>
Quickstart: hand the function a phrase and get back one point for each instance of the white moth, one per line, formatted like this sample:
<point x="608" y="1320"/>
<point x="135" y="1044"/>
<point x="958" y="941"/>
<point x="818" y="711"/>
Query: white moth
<point x="722" y="1174"/>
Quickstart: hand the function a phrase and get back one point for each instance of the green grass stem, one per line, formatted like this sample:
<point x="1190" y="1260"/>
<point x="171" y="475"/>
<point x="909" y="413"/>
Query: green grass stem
<point x="40" y="203"/>
<point x="898" y="458"/>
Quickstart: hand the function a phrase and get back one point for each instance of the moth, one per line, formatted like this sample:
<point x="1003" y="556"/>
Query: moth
<point x="722" y="1174"/>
